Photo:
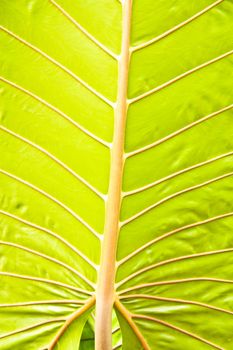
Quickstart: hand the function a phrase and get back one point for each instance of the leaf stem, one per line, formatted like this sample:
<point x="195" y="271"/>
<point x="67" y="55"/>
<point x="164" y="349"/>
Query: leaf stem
<point x="106" y="288"/>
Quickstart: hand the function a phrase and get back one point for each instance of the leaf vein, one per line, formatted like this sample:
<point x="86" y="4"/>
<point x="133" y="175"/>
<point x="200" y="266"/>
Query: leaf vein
<point x="55" y="159"/>
<point x="49" y="258"/>
<point x="177" y="173"/>
<point x="184" y="280"/>
<point x="70" y="319"/>
<point x="179" y="77"/>
<point x="61" y="66"/>
<point x="153" y="319"/>
<point x="45" y="194"/>
<point x="175" y="28"/>
<point x="173" y="260"/>
<point x="43" y="302"/>
<point x="179" y="131"/>
<point x="84" y="31"/>
<point x="44" y="280"/>
<point x="128" y="317"/>
<point x="182" y="301"/>
<point x="56" y="110"/>
<point x="144" y="211"/>
<point x="31" y="327"/>
<point x="170" y="233"/>
<point x="53" y="234"/>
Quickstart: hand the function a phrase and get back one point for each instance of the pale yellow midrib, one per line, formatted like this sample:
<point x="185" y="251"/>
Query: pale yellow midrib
<point x="106" y="280"/>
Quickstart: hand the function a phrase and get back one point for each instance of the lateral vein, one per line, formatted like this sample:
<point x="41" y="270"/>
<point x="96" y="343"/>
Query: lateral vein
<point x="43" y="302"/>
<point x="144" y="211"/>
<point x="173" y="260"/>
<point x="87" y="306"/>
<point x="45" y="194"/>
<point x="183" y="75"/>
<point x="55" y="159"/>
<point x="128" y="318"/>
<point x="184" y="280"/>
<point x="179" y="131"/>
<point x="175" y="300"/>
<point x="181" y="330"/>
<point x="170" y="233"/>
<point x="44" y="280"/>
<point x="175" y="28"/>
<point x="31" y="327"/>
<point x="53" y="234"/>
<point x="84" y="31"/>
<point x="56" y="110"/>
<point x="61" y="66"/>
<point x="177" y="173"/>
<point x="49" y="258"/>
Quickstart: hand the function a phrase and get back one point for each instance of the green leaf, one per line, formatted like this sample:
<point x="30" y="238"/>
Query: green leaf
<point x="88" y="338"/>
<point x="116" y="206"/>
